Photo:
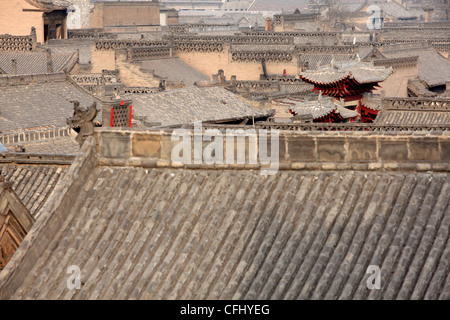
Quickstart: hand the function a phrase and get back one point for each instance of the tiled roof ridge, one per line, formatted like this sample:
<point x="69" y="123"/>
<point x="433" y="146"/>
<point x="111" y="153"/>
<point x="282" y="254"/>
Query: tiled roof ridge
<point x="70" y="80"/>
<point x="72" y="61"/>
<point x="25" y="79"/>
<point x="49" y="4"/>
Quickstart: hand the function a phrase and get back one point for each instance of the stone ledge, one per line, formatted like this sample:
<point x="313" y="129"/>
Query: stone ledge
<point x="297" y="151"/>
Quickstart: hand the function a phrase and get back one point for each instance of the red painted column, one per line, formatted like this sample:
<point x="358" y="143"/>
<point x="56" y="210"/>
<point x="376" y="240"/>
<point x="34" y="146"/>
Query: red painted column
<point x="130" y="114"/>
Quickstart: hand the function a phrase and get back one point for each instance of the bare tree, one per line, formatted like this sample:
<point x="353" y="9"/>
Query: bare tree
<point x="332" y="11"/>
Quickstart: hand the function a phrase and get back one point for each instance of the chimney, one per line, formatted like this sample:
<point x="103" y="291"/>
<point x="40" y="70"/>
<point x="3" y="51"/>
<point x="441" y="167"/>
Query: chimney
<point x="222" y="78"/>
<point x="49" y="61"/>
<point x="117" y="113"/>
<point x="13" y="66"/>
<point x="33" y="38"/>
<point x="268" y="24"/>
<point x="428" y="14"/>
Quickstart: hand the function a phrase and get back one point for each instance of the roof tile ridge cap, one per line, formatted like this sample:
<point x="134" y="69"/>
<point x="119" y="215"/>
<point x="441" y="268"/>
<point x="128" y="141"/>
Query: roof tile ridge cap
<point x="71" y="60"/>
<point x="39" y="82"/>
<point x="72" y="82"/>
<point x="47" y="4"/>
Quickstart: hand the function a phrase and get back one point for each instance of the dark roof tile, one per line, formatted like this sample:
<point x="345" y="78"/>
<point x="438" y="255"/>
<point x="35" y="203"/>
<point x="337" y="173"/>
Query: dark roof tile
<point x="189" y="234"/>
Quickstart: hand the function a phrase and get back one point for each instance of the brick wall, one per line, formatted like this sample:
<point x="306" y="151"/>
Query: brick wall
<point x="210" y="62"/>
<point x="396" y="84"/>
<point x="102" y="59"/>
<point x="16" y="22"/>
<point x="123" y="14"/>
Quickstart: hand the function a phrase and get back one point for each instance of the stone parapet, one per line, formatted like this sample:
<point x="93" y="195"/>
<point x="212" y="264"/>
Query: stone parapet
<point x="297" y="150"/>
<point x="12" y="80"/>
<point x="416" y="104"/>
<point x="145" y="53"/>
<point x="259" y="39"/>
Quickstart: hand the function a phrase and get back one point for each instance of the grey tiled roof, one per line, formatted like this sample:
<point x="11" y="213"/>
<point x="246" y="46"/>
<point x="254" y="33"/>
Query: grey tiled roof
<point x="420" y="89"/>
<point x="33" y="184"/>
<point x="360" y="71"/>
<point x="317" y="108"/>
<point x="51" y="4"/>
<point x="413" y="117"/>
<point x="175" y="70"/>
<point x="186" y="105"/>
<point x="57" y="145"/>
<point x="69" y="46"/>
<point x="315" y="60"/>
<point x="434" y="69"/>
<point x="191" y="234"/>
<point x="33" y="62"/>
<point x="39" y="105"/>
<point x="296" y="88"/>
<point x="396" y="10"/>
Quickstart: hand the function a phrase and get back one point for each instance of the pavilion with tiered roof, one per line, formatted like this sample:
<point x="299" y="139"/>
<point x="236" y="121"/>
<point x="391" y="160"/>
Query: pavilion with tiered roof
<point x="348" y="81"/>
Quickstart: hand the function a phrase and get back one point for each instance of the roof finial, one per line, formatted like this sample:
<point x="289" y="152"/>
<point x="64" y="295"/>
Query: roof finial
<point x="332" y="62"/>
<point x="83" y="117"/>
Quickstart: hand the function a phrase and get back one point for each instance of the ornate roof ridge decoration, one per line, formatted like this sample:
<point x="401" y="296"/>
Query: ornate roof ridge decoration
<point x="16" y="43"/>
<point x="89" y="33"/>
<point x="415" y="28"/>
<point x="111" y="44"/>
<point x="416" y="23"/>
<point x="404" y="62"/>
<point x="14" y="80"/>
<point x="144" y="53"/>
<point x="287" y="79"/>
<point x="136" y="90"/>
<point x="349" y="126"/>
<point x="417" y="104"/>
<point x="49" y="5"/>
<point x="199" y="46"/>
<point x="296" y="33"/>
<point x="429" y="41"/>
<point x="94" y="79"/>
<point x="83" y="117"/>
<point x="233" y="39"/>
<point x="257" y="56"/>
<point x="344" y="49"/>
<point x="254" y="86"/>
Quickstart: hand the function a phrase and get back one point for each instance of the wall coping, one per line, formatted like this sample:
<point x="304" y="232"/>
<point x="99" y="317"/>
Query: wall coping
<point x="307" y="150"/>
